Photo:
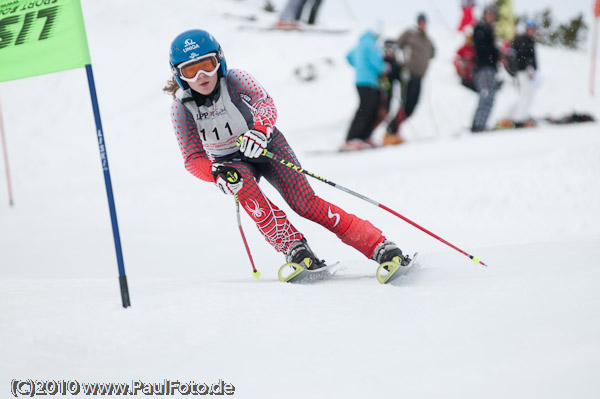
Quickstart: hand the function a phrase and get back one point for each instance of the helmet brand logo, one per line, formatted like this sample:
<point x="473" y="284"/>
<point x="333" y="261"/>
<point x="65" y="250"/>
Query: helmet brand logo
<point x="190" y="45"/>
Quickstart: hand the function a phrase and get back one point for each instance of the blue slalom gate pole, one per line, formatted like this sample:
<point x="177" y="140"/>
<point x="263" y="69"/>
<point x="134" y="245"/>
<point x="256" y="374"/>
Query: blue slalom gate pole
<point x="109" y="192"/>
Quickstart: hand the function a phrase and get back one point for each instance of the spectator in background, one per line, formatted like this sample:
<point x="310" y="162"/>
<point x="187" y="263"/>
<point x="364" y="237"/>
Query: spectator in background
<point x="418" y="50"/>
<point x="387" y="82"/>
<point x="526" y="77"/>
<point x="486" y="58"/>
<point x="314" y="9"/>
<point x="287" y="17"/>
<point x="505" y="25"/>
<point x="467" y="20"/>
<point x="269" y="7"/>
<point x="464" y="61"/>
<point x="367" y="60"/>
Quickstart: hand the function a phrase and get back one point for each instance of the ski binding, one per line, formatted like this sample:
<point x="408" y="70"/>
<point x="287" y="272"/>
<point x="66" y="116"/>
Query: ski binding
<point x="394" y="270"/>
<point x="300" y="273"/>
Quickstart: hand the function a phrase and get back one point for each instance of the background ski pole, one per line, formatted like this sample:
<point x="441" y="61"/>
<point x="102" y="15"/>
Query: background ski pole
<point x="298" y="169"/>
<point x="6" y="164"/>
<point x="255" y="273"/>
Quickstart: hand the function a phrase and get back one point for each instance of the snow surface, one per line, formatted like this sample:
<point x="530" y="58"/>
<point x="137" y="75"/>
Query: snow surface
<point x="526" y="202"/>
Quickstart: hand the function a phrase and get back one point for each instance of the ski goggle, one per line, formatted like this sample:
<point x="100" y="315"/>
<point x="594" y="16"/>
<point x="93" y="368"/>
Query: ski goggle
<point x="190" y="70"/>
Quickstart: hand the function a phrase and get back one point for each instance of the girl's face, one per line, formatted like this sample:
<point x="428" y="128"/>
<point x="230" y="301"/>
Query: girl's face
<point x="205" y="84"/>
<point x="201" y="73"/>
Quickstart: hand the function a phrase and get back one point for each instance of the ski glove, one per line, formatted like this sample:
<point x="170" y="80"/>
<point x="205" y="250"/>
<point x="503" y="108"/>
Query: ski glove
<point x="254" y="142"/>
<point x="228" y="179"/>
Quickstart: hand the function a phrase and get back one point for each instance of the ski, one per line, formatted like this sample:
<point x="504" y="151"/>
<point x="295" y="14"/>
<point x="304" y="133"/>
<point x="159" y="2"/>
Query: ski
<point x="301" y="28"/>
<point x="249" y="17"/>
<point x="507" y="124"/>
<point x="393" y="270"/>
<point x="300" y="274"/>
<point x="329" y="151"/>
<point x="573" y="118"/>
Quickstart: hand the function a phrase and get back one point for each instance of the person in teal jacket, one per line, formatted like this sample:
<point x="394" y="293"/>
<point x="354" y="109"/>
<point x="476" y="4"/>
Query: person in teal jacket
<point x="367" y="60"/>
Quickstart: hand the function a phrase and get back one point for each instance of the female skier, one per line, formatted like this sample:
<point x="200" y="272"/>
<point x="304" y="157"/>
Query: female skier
<point x="213" y="107"/>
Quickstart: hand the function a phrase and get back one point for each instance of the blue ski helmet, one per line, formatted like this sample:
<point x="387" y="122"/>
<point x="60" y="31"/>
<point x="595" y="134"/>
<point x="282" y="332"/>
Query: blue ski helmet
<point x="193" y="44"/>
<point x="531" y="23"/>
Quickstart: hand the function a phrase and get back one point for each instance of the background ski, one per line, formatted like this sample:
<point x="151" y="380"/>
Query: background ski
<point x="573" y="118"/>
<point x="322" y="151"/>
<point x="300" y="28"/>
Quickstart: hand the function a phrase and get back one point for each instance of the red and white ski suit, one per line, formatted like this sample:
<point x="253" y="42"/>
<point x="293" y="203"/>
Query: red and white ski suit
<point x="207" y="128"/>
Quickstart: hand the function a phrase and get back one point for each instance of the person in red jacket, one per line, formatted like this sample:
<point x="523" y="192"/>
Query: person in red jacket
<point x="215" y="107"/>
<point x="468" y="19"/>
<point x="464" y="62"/>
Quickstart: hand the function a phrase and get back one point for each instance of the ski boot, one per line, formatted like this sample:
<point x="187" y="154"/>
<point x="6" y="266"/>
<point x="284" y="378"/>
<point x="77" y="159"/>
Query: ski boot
<point x="301" y="258"/>
<point x="390" y="259"/>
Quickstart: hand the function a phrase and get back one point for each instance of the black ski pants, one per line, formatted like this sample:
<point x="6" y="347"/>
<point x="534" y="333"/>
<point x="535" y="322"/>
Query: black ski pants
<point x="364" y="120"/>
<point x="413" y="92"/>
<point x="313" y="11"/>
<point x="409" y="103"/>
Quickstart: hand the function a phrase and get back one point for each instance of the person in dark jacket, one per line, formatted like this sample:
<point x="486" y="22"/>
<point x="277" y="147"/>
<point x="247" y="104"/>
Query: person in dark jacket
<point x="526" y="76"/>
<point x="524" y="46"/>
<point x="487" y="56"/>
<point x="388" y="81"/>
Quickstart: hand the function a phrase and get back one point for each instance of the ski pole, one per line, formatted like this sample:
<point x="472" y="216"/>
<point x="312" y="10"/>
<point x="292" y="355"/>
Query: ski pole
<point x="298" y="169"/>
<point x="255" y="273"/>
<point x="6" y="164"/>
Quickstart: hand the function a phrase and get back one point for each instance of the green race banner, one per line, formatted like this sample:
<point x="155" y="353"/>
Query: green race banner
<point x="39" y="37"/>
